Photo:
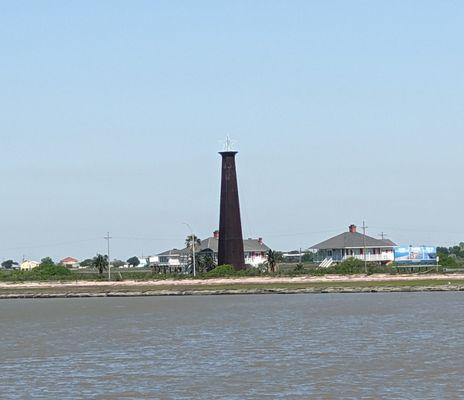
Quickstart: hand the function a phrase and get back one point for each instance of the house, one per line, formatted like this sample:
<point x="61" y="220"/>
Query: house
<point x="169" y="261"/>
<point x="255" y="252"/>
<point x="143" y="262"/>
<point x="28" y="265"/>
<point x="352" y="244"/>
<point x="70" y="262"/>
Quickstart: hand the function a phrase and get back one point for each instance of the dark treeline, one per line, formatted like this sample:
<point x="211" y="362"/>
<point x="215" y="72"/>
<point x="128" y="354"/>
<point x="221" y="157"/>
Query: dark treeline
<point x="451" y="256"/>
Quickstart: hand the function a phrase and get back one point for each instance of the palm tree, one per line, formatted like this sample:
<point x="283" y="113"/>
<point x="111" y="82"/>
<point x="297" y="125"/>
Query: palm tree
<point x="205" y="263"/>
<point x="271" y="260"/>
<point x="192" y="242"/>
<point x="192" y="239"/>
<point x="100" y="263"/>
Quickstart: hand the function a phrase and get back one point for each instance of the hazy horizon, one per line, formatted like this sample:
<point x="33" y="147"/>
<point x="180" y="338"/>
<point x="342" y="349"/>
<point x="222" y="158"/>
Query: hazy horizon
<point x="112" y="115"/>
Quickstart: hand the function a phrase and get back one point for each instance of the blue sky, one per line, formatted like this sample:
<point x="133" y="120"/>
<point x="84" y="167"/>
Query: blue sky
<point x="112" y="114"/>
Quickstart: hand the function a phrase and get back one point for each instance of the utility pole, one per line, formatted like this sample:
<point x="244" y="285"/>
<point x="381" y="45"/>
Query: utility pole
<point x="108" y="237"/>
<point x="382" y="235"/>
<point x="364" y="245"/>
<point x="193" y="255"/>
<point x="193" y="237"/>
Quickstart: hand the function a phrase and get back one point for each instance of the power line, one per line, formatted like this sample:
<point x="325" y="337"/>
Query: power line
<point x="298" y="233"/>
<point x="32" y="246"/>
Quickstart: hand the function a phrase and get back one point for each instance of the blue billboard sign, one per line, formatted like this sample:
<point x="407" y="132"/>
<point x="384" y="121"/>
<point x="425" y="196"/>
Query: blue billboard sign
<point x="415" y="255"/>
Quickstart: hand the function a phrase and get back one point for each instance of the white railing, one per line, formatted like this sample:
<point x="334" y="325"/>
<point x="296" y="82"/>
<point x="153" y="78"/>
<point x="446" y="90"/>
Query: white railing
<point x="326" y="263"/>
<point x="372" y="257"/>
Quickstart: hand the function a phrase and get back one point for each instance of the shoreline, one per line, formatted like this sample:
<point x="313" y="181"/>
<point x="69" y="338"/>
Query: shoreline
<point x="380" y="283"/>
<point x="255" y="291"/>
<point x="303" y="279"/>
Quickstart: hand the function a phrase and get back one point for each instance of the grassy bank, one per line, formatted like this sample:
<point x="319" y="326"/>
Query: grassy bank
<point x="60" y="273"/>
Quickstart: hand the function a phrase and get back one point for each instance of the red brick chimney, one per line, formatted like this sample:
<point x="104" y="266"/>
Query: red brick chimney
<point x="216" y="234"/>
<point x="352" y="228"/>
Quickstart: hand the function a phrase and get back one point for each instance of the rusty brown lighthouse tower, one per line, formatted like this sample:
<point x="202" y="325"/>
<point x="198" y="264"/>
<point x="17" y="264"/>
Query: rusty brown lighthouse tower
<point x="230" y="226"/>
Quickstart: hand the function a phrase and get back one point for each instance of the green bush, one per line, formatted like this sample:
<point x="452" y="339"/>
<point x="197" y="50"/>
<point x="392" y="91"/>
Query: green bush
<point x="221" y="270"/>
<point x="43" y="272"/>
<point x="448" y="260"/>
<point x="228" y="271"/>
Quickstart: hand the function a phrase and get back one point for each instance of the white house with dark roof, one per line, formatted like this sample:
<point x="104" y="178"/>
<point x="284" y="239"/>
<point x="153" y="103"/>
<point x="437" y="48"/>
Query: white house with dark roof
<point x="352" y="244"/>
<point x="170" y="260"/>
<point x="254" y="249"/>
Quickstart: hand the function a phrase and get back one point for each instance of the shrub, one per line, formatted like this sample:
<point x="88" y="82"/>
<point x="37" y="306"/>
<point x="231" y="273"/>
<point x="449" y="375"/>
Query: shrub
<point x="350" y="266"/>
<point x="448" y="260"/>
<point x="221" y="270"/>
<point x="299" y="267"/>
<point x="43" y="272"/>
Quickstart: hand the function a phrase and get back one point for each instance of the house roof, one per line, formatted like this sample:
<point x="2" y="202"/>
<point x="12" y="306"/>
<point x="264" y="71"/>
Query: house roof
<point x="69" y="260"/>
<point x="254" y="245"/>
<point x="391" y="243"/>
<point x="30" y="262"/>
<point x="212" y="243"/>
<point x="172" y="252"/>
<point x="348" y="240"/>
<point x="249" y="245"/>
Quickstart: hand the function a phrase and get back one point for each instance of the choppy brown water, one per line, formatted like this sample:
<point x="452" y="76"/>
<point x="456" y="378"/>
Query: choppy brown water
<point x="397" y="346"/>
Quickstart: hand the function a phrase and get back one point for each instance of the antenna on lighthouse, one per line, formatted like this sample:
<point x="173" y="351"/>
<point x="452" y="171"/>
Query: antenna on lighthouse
<point x="228" y="144"/>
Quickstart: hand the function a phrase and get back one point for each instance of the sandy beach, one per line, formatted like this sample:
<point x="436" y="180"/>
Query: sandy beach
<point x="252" y="281"/>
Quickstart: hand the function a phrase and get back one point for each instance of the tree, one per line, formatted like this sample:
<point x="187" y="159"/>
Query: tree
<point x="100" y="263"/>
<point x="272" y="260"/>
<point x="8" y="264"/>
<point x="118" y="263"/>
<point x="205" y="263"/>
<point x="47" y="261"/>
<point x="447" y="260"/>
<point x="307" y="257"/>
<point x="442" y="250"/>
<point x="279" y="256"/>
<point x="192" y="239"/>
<point x="451" y="256"/>
<point x="133" y="261"/>
<point x="87" y="262"/>
<point x="351" y="266"/>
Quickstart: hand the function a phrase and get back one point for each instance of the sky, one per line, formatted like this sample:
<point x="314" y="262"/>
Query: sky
<point x="112" y="114"/>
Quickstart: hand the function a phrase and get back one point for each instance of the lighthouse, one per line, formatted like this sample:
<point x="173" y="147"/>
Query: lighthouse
<point x="230" y="226"/>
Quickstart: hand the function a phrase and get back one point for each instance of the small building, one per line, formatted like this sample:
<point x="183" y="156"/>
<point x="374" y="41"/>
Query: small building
<point x="255" y="252"/>
<point x="28" y="265"/>
<point x="169" y="261"/>
<point x="177" y="260"/>
<point x="143" y="262"/>
<point x="352" y="244"/>
<point x="70" y="262"/>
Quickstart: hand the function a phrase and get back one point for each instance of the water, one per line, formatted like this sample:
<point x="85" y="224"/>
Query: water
<point x="395" y="346"/>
